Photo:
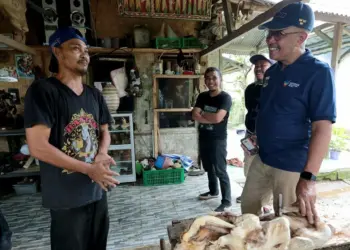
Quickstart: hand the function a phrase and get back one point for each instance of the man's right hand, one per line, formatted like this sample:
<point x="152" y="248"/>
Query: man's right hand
<point x="253" y="139"/>
<point x="100" y="173"/>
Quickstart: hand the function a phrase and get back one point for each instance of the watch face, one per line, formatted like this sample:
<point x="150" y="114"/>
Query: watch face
<point x="308" y="176"/>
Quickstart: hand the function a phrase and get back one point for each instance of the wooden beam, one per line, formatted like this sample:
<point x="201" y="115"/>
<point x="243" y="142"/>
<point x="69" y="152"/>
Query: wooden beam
<point x="331" y="18"/>
<point x="248" y="26"/>
<point x="337" y="41"/>
<point x="175" y="110"/>
<point x="155" y="118"/>
<point x="16" y="45"/>
<point x="324" y="37"/>
<point x="238" y="47"/>
<point x="230" y="25"/>
<point x="177" y="76"/>
<point x="344" y="55"/>
<point x="346" y="30"/>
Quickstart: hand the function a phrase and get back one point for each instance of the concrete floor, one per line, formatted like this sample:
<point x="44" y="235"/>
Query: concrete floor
<point x="139" y="215"/>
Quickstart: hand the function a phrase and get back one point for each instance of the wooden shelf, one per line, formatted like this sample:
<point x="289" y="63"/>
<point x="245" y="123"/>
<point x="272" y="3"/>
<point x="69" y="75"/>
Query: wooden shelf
<point x="31" y="171"/>
<point x="101" y="50"/>
<point x="174" y="110"/>
<point x="177" y="76"/>
<point x="12" y="132"/>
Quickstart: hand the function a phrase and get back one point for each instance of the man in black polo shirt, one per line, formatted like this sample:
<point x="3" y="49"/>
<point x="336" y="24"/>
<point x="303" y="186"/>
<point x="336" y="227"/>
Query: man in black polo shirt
<point x="212" y="111"/>
<point x="251" y="96"/>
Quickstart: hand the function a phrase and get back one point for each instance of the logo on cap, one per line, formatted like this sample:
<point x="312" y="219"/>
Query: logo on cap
<point x="281" y="14"/>
<point x="302" y="21"/>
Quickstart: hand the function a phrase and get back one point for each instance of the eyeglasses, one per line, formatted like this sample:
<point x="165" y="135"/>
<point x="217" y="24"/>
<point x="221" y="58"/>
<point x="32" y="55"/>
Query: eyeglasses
<point x="278" y="34"/>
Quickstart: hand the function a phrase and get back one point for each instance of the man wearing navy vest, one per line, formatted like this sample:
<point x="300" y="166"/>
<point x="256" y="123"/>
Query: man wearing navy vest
<point x="294" y="123"/>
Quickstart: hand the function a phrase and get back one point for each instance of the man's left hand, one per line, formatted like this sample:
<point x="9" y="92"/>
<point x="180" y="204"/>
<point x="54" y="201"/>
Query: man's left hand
<point x="306" y="199"/>
<point x="104" y="157"/>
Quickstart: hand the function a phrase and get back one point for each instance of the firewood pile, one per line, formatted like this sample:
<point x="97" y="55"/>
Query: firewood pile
<point x="291" y="231"/>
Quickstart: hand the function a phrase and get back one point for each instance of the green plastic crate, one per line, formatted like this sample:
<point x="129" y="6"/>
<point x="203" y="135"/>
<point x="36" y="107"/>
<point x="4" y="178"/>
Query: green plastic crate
<point x="168" y="43"/>
<point x="191" y="42"/>
<point x="163" y="177"/>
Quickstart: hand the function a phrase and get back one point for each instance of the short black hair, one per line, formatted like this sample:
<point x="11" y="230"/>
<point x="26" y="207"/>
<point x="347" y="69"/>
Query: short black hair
<point x="213" y="69"/>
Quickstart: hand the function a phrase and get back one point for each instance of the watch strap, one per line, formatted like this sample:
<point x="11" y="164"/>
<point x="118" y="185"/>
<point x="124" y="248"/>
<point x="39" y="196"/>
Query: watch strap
<point x="308" y="176"/>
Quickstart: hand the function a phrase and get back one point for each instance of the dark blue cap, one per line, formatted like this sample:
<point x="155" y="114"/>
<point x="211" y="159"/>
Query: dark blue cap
<point x="259" y="57"/>
<point x="64" y="34"/>
<point x="60" y="36"/>
<point x="296" y="14"/>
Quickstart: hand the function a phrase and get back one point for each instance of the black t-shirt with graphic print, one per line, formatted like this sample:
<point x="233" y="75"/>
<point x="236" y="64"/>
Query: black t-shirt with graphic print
<point x="74" y="121"/>
<point x="213" y="104"/>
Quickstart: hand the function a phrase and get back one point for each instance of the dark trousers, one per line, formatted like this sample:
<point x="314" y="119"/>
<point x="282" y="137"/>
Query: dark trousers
<point x="82" y="228"/>
<point x="5" y="234"/>
<point x="213" y="155"/>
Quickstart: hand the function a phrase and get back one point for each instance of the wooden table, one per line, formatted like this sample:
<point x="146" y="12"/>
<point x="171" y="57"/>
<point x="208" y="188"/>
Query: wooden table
<point x="179" y="226"/>
<point x="163" y="245"/>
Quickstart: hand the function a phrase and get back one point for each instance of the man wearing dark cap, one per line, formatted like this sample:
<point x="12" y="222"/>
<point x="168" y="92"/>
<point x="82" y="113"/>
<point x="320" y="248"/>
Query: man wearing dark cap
<point x="66" y="125"/>
<point x="251" y="97"/>
<point x="294" y="123"/>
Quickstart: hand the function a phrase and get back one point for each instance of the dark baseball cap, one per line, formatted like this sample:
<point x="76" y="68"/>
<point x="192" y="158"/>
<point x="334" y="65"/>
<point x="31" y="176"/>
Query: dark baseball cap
<point x="60" y="36"/>
<point x="296" y="14"/>
<point x="259" y="57"/>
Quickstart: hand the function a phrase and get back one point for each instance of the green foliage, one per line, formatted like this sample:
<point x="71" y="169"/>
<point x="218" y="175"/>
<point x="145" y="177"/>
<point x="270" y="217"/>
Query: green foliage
<point x="240" y="82"/>
<point x="339" y="139"/>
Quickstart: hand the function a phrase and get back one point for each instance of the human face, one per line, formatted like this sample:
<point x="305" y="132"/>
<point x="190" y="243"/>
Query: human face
<point x="73" y="56"/>
<point x="212" y="81"/>
<point x="283" y="44"/>
<point x="260" y="68"/>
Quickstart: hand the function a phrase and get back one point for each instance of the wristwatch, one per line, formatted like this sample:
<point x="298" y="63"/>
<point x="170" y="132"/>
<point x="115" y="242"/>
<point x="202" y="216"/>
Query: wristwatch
<point x="308" y="176"/>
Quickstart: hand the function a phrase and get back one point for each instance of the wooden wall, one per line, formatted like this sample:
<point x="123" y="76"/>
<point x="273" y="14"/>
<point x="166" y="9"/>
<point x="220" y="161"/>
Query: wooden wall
<point x="108" y="24"/>
<point x="41" y="60"/>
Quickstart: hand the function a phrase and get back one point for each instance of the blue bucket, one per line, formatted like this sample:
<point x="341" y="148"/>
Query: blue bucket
<point x="159" y="162"/>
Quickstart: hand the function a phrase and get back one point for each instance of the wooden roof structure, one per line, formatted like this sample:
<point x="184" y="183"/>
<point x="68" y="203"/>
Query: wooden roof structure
<point x="332" y="34"/>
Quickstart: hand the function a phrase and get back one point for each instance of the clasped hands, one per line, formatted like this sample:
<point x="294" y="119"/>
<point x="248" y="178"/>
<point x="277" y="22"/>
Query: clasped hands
<point x="100" y="171"/>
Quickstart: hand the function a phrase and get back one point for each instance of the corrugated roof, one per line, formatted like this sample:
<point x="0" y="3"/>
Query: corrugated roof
<point x="248" y="42"/>
<point x="334" y="7"/>
<point x="252" y="38"/>
<point x="246" y="45"/>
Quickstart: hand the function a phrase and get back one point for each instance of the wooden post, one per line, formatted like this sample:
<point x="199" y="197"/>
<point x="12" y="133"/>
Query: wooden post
<point x="337" y="42"/>
<point x="228" y="16"/>
<point x="324" y="37"/>
<point x="155" y="116"/>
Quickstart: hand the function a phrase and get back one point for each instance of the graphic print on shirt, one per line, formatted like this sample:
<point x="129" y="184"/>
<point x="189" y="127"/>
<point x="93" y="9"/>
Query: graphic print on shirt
<point x="265" y="81"/>
<point x="208" y="109"/>
<point x="290" y="84"/>
<point x="80" y="140"/>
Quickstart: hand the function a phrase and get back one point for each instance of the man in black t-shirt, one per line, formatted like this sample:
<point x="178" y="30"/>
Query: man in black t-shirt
<point x="67" y="130"/>
<point x="251" y="97"/>
<point x="212" y="112"/>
